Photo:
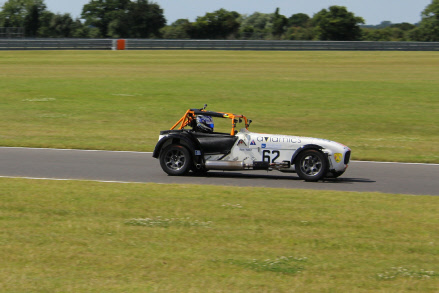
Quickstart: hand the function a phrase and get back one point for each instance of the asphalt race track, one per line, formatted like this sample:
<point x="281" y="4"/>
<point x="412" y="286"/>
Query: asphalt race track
<point x="416" y="179"/>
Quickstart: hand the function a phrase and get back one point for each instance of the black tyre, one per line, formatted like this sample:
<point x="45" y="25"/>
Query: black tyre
<point x="175" y="160"/>
<point x="311" y="165"/>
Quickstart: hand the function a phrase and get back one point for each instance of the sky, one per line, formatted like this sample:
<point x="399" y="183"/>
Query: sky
<point x="373" y="11"/>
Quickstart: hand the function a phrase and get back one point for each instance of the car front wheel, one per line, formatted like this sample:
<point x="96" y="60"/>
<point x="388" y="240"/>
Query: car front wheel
<point x="175" y="160"/>
<point x="311" y="165"/>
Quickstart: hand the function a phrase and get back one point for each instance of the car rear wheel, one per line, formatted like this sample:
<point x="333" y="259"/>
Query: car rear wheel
<point x="175" y="160"/>
<point x="311" y="165"/>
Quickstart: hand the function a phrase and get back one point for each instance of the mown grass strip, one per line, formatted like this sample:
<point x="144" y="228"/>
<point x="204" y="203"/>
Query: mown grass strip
<point x="69" y="236"/>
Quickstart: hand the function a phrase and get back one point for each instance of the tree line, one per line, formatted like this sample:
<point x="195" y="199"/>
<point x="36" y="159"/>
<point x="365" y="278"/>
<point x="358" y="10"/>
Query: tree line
<point x="145" y="19"/>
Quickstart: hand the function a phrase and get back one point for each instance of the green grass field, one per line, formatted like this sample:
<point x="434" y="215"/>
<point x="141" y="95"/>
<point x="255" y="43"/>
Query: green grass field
<point x="384" y="105"/>
<point x="65" y="236"/>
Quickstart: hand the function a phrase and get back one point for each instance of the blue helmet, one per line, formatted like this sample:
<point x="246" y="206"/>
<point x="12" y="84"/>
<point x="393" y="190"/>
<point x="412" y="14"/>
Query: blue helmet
<point x="205" y="123"/>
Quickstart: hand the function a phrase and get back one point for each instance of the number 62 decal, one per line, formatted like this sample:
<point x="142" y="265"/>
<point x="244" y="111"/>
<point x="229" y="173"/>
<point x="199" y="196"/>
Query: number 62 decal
<point x="270" y="156"/>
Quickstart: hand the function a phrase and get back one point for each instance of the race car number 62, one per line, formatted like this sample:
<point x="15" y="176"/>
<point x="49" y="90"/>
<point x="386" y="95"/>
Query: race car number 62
<point x="267" y="156"/>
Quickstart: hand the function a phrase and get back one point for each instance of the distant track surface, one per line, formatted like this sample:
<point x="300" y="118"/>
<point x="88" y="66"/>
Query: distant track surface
<point x="113" y="166"/>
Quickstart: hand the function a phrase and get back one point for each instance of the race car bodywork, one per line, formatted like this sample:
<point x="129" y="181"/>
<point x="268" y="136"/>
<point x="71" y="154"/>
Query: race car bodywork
<point x="181" y="150"/>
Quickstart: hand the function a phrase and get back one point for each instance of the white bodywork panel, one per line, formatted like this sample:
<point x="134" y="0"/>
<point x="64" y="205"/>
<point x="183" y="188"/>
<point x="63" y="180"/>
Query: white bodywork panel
<point x="276" y="148"/>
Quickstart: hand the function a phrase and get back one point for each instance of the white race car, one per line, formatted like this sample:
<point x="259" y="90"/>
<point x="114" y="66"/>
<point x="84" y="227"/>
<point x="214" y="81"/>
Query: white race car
<point x="192" y="145"/>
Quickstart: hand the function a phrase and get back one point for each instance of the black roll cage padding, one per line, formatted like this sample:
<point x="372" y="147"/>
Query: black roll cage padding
<point x="207" y="113"/>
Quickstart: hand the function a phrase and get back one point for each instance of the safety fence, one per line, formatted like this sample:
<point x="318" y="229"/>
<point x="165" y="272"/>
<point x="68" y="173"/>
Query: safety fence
<point x="249" y="45"/>
<point x="56" y="44"/>
<point x="134" y="44"/>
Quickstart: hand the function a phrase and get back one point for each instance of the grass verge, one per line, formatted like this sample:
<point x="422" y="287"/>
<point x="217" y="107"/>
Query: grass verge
<point x="383" y="105"/>
<point x="71" y="236"/>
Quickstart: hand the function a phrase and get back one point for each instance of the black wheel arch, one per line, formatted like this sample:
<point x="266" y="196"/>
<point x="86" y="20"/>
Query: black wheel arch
<point x="179" y="139"/>
<point x="304" y="148"/>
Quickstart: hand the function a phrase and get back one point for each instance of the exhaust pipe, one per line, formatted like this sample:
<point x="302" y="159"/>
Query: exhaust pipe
<point x="239" y="165"/>
<point x="226" y="165"/>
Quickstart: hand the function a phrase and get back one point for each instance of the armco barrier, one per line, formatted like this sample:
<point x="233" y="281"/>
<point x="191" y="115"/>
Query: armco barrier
<point x="147" y="44"/>
<point x="56" y="44"/>
<point x="141" y="44"/>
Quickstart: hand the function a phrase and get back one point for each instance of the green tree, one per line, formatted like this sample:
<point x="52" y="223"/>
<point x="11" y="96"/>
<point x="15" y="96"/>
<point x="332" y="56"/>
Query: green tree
<point x="337" y="24"/>
<point x="177" y="30"/>
<point x="405" y="26"/>
<point x="300" y="33"/>
<point x="44" y="29"/>
<point x="256" y="26"/>
<point x="124" y="18"/>
<point x="118" y="27"/>
<point x="299" y="27"/>
<point x="22" y="13"/>
<point x="260" y="21"/>
<point x="429" y="26"/>
<point x="145" y="19"/>
<point x="247" y="32"/>
<point x="32" y="20"/>
<point x="376" y="35"/>
<point x="298" y="20"/>
<point x="279" y="24"/>
<point x="79" y="30"/>
<point x="220" y="24"/>
<point x="100" y="13"/>
<point x="61" y="26"/>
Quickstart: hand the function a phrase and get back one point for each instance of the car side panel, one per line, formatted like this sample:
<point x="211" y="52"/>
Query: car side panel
<point x="274" y="148"/>
<point x="215" y="143"/>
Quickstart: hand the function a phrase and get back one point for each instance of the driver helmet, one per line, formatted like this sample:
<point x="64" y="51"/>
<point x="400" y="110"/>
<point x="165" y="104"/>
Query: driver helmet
<point x="205" y="123"/>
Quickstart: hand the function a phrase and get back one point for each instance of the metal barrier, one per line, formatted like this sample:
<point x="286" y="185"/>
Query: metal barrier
<point x="254" y="45"/>
<point x="137" y="44"/>
<point x="56" y="44"/>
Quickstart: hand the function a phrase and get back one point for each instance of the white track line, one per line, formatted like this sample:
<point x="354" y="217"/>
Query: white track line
<point x="83" y="180"/>
<point x="78" y="150"/>
<point x="134" y="152"/>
